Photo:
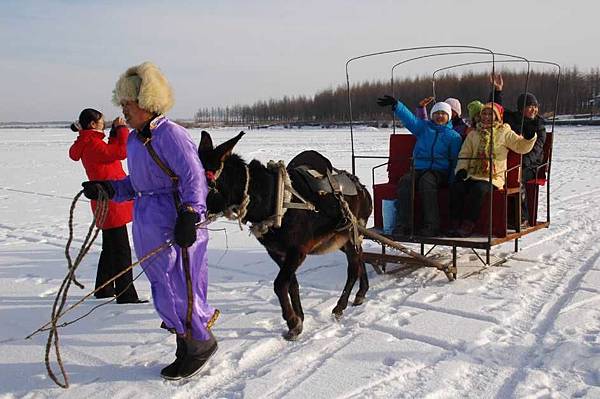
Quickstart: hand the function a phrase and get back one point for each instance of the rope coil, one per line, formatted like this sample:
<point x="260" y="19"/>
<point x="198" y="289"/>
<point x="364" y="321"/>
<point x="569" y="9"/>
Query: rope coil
<point x="61" y="296"/>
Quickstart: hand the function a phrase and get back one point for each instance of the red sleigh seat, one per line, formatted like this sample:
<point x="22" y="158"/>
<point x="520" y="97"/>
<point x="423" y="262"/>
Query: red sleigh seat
<point x="400" y="160"/>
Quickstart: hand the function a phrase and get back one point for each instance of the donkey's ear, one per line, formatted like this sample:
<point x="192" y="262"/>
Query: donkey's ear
<point x="224" y="150"/>
<point x="206" y="143"/>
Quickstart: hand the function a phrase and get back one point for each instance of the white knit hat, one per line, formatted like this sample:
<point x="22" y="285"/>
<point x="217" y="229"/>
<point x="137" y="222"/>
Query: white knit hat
<point x="145" y="84"/>
<point x="454" y="104"/>
<point x="441" y="106"/>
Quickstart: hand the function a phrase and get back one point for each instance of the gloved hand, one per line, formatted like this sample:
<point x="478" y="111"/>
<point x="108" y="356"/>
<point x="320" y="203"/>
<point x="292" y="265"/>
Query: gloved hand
<point x="386" y="100"/>
<point x="185" y="228"/>
<point x="461" y="175"/>
<point x="90" y="189"/>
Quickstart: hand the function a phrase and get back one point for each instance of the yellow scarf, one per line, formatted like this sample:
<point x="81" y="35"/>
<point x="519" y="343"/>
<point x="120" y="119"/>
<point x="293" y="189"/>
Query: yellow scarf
<point x="482" y="164"/>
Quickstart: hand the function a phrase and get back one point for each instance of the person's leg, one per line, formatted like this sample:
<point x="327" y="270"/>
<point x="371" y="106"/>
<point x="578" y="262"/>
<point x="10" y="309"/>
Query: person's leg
<point x="121" y="260"/>
<point x="528" y="174"/>
<point x="474" y="200"/>
<point x="458" y="192"/>
<point x="403" y="204"/>
<point x="103" y="274"/>
<point x="476" y="189"/>
<point x="428" y="184"/>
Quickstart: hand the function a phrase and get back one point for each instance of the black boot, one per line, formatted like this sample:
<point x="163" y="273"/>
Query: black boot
<point x="197" y="354"/>
<point x="171" y="372"/>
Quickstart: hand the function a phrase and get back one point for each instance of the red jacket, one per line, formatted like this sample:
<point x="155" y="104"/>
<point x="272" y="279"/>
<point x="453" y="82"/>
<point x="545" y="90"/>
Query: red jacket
<point x="103" y="162"/>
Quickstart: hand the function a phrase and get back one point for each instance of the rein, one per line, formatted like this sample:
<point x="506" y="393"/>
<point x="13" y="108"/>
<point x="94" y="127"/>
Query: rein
<point x="57" y="309"/>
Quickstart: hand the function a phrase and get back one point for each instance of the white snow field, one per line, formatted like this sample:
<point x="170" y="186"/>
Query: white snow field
<point x="528" y="329"/>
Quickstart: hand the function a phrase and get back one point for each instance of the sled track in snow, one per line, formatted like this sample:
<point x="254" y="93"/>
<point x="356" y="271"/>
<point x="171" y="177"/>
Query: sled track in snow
<point x="537" y="315"/>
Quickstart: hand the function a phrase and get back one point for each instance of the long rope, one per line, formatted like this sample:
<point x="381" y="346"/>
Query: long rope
<point x="61" y="296"/>
<point x="60" y="300"/>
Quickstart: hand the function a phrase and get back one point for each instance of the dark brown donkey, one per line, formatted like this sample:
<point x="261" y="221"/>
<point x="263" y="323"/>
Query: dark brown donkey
<point x="302" y="232"/>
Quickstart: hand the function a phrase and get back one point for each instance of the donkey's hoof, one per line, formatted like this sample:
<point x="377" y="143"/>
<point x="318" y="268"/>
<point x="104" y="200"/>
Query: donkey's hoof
<point x="337" y="313"/>
<point x="290" y="336"/>
<point x="359" y="300"/>
<point x="295" y="328"/>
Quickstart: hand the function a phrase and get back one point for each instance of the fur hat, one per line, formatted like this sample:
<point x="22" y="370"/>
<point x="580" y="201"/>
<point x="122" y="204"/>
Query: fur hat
<point x="443" y="107"/>
<point x="474" y="108"/>
<point x="145" y="84"/>
<point x="454" y="104"/>
<point x="526" y="99"/>
<point x="497" y="108"/>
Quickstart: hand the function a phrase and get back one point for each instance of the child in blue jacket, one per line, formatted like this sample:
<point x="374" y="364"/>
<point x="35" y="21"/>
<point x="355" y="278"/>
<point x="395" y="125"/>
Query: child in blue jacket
<point x="434" y="159"/>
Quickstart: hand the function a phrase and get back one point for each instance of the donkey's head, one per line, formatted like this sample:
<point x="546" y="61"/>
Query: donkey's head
<point x="225" y="172"/>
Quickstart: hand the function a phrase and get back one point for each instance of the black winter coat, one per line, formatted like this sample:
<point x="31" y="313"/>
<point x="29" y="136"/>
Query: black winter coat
<point x="535" y="157"/>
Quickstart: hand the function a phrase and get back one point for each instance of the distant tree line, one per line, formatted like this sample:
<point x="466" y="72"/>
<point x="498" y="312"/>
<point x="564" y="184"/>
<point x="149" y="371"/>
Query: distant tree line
<point x="576" y="90"/>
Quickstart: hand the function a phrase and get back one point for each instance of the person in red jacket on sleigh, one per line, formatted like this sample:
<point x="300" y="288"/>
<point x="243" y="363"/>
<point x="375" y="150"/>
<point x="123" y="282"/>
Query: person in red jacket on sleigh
<point x="102" y="161"/>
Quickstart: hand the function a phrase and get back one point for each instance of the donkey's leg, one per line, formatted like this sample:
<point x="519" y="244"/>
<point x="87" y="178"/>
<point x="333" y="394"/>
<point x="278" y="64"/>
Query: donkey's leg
<point x="293" y="259"/>
<point x="363" y="281"/>
<point x="295" y="297"/>
<point x="351" y="277"/>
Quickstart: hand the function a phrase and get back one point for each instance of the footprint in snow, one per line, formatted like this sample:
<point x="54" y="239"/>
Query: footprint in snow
<point x="389" y="361"/>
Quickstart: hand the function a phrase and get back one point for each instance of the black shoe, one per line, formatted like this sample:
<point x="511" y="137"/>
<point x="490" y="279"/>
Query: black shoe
<point x="196" y="356"/>
<point x="136" y="300"/>
<point x="171" y="372"/>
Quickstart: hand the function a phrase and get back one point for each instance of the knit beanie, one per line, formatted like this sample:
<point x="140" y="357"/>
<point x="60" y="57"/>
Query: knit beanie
<point x="497" y="108"/>
<point x="454" y="104"/>
<point x="526" y="99"/>
<point x="441" y="106"/>
<point x="145" y="84"/>
<point x="474" y="108"/>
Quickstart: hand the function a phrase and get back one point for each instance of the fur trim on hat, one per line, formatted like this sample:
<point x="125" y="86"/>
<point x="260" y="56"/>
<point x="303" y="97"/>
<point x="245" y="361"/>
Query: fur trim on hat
<point x="443" y="107"/>
<point x="145" y="84"/>
<point x="454" y="104"/>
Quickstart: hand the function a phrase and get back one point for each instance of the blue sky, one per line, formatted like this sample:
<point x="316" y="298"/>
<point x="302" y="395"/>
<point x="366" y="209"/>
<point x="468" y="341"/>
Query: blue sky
<point x="59" y="57"/>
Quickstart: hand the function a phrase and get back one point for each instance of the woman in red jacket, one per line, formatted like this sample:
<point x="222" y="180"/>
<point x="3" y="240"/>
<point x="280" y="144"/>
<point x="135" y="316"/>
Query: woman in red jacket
<point x="102" y="161"/>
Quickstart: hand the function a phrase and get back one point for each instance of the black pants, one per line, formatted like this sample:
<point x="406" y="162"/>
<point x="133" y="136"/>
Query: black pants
<point x="115" y="256"/>
<point x="427" y="183"/>
<point x="528" y="174"/>
<point x="466" y="198"/>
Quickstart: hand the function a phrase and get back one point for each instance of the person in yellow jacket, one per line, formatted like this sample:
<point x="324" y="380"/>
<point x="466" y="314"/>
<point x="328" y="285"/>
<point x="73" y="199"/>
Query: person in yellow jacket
<point x="472" y="180"/>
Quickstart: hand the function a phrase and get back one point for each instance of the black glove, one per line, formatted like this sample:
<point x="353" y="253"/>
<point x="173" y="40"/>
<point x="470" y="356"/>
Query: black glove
<point x="90" y="189"/>
<point x="185" y="228"/>
<point x="461" y="175"/>
<point x="387" y="100"/>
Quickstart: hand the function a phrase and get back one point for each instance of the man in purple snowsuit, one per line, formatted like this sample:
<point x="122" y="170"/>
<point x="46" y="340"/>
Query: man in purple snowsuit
<point x="167" y="182"/>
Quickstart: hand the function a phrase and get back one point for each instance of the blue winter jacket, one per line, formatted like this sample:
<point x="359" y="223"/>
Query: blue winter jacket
<point x="437" y="146"/>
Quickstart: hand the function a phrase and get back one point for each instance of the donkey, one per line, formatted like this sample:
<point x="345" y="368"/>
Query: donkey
<point x="302" y="232"/>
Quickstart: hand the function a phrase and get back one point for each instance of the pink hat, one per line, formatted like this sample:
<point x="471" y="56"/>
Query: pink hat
<point x="454" y="104"/>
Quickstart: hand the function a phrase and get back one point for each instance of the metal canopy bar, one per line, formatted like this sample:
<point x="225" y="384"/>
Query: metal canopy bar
<point x="392" y="52"/>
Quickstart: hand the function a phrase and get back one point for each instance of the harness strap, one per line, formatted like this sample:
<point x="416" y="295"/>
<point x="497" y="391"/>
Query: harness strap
<point x="147" y="142"/>
<point x="294" y="205"/>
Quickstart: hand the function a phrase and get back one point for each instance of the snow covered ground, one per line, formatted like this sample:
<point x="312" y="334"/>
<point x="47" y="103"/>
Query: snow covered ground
<point x="529" y="329"/>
